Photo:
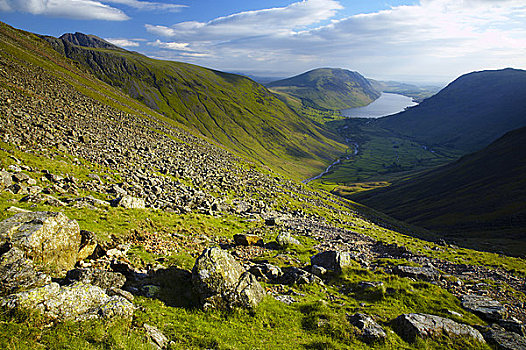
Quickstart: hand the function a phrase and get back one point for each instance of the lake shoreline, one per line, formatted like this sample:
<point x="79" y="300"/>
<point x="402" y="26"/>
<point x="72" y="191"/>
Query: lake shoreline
<point x="386" y="104"/>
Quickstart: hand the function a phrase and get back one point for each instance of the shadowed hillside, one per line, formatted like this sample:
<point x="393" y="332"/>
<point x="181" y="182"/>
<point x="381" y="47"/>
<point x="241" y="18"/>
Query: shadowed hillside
<point x="481" y="197"/>
<point x="470" y="113"/>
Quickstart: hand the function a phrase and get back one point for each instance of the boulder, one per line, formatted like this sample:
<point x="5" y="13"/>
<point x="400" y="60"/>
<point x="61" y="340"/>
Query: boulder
<point x="6" y="179"/>
<point x="157" y="337"/>
<point x="484" y="306"/>
<point x="76" y="302"/>
<point x="129" y="202"/>
<point x="18" y="273"/>
<point x="285" y="239"/>
<point x="418" y="273"/>
<point x="370" y="330"/>
<point x="266" y="271"/>
<point x="504" y="340"/>
<point x="411" y="326"/>
<point x="332" y="260"/>
<point x="248" y="240"/>
<point x="87" y="244"/>
<point x="221" y="282"/>
<point x="46" y="238"/>
<point x="294" y="275"/>
<point x="100" y="278"/>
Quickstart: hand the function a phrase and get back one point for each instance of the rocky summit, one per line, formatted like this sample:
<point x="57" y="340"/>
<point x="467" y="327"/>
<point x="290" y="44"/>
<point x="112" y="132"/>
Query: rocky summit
<point x="122" y="229"/>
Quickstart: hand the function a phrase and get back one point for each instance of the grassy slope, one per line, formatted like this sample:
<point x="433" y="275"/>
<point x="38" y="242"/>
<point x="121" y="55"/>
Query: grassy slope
<point x="230" y="109"/>
<point x="482" y="196"/>
<point x="328" y="88"/>
<point x="468" y="114"/>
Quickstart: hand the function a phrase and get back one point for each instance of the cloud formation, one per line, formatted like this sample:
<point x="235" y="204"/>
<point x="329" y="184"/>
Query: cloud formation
<point x="76" y="9"/>
<point x="438" y="39"/>
<point x="148" y="5"/>
<point x="123" y="42"/>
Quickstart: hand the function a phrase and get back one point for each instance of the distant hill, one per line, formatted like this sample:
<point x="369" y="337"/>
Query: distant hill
<point x="328" y="88"/>
<point x="468" y="114"/>
<point x="233" y="110"/>
<point x="481" y="196"/>
<point x="417" y="92"/>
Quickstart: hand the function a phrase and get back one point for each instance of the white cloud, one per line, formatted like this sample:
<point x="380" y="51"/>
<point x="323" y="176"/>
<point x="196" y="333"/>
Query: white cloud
<point x="77" y="9"/>
<point x="148" y="5"/>
<point x="273" y="21"/>
<point x="123" y="42"/>
<point x="433" y="39"/>
<point x="171" y="45"/>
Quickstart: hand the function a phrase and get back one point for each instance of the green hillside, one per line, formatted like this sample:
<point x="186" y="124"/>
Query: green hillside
<point x="233" y="110"/>
<point x="469" y="114"/>
<point x="479" y="200"/>
<point x="328" y="88"/>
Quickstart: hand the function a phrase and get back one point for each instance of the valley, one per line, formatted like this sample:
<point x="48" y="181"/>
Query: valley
<point x="148" y="204"/>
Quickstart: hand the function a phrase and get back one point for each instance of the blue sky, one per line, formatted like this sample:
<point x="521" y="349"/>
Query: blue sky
<point x="419" y="40"/>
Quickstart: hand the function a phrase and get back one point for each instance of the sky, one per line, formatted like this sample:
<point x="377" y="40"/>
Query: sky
<point x="426" y="41"/>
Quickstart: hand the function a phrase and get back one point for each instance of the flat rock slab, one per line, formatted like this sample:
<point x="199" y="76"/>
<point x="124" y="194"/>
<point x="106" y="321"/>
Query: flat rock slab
<point x="75" y="302"/>
<point x="411" y="326"/>
<point x="504" y="340"/>
<point x="484" y="306"/>
<point x="419" y="273"/>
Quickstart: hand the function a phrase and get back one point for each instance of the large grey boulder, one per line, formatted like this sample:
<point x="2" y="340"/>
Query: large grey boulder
<point x="78" y="301"/>
<point x="221" y="282"/>
<point x="370" y="330"/>
<point x="46" y="238"/>
<point x="504" y="340"/>
<point x="411" y="326"/>
<point x="484" y="306"/>
<point x="332" y="260"/>
<point x="18" y="273"/>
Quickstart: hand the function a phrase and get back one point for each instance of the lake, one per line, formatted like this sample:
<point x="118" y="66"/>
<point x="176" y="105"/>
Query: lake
<point x="386" y="104"/>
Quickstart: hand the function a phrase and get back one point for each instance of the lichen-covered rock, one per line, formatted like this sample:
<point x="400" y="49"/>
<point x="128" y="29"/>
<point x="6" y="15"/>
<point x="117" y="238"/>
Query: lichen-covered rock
<point x="129" y="202"/>
<point x="6" y="179"/>
<point x="157" y="337"/>
<point x="47" y="238"/>
<point x="78" y="301"/>
<point x="88" y="244"/>
<point x="266" y="271"/>
<point x="99" y="278"/>
<point x="411" y="326"/>
<point x="370" y="330"/>
<point x="484" y="306"/>
<point x="332" y="260"/>
<point x="221" y="282"/>
<point x="285" y="238"/>
<point x="18" y="273"/>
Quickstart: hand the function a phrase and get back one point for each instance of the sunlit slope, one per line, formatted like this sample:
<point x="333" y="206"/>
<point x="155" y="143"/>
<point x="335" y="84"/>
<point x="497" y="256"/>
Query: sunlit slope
<point x="482" y="195"/>
<point x="469" y="114"/>
<point x="231" y="109"/>
<point x="328" y="88"/>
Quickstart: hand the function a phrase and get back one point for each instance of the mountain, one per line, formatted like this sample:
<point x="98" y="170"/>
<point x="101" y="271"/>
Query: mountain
<point x="480" y="198"/>
<point x="468" y="114"/>
<point x="232" y="110"/>
<point x="88" y="40"/>
<point x="119" y="229"/>
<point x="328" y="88"/>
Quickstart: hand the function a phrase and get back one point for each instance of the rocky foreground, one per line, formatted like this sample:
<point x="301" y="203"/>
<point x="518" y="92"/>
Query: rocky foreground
<point x="252" y="237"/>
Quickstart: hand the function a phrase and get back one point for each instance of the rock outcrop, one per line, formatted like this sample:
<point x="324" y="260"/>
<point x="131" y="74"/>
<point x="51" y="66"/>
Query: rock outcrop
<point x="221" y="282"/>
<point x="46" y="238"/>
<point x="332" y="260"/>
<point x="411" y="326"/>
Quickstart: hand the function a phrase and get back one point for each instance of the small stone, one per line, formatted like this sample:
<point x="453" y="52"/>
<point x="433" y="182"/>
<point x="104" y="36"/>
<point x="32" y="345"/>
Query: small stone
<point x="156" y="336"/>
<point x="248" y="240"/>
